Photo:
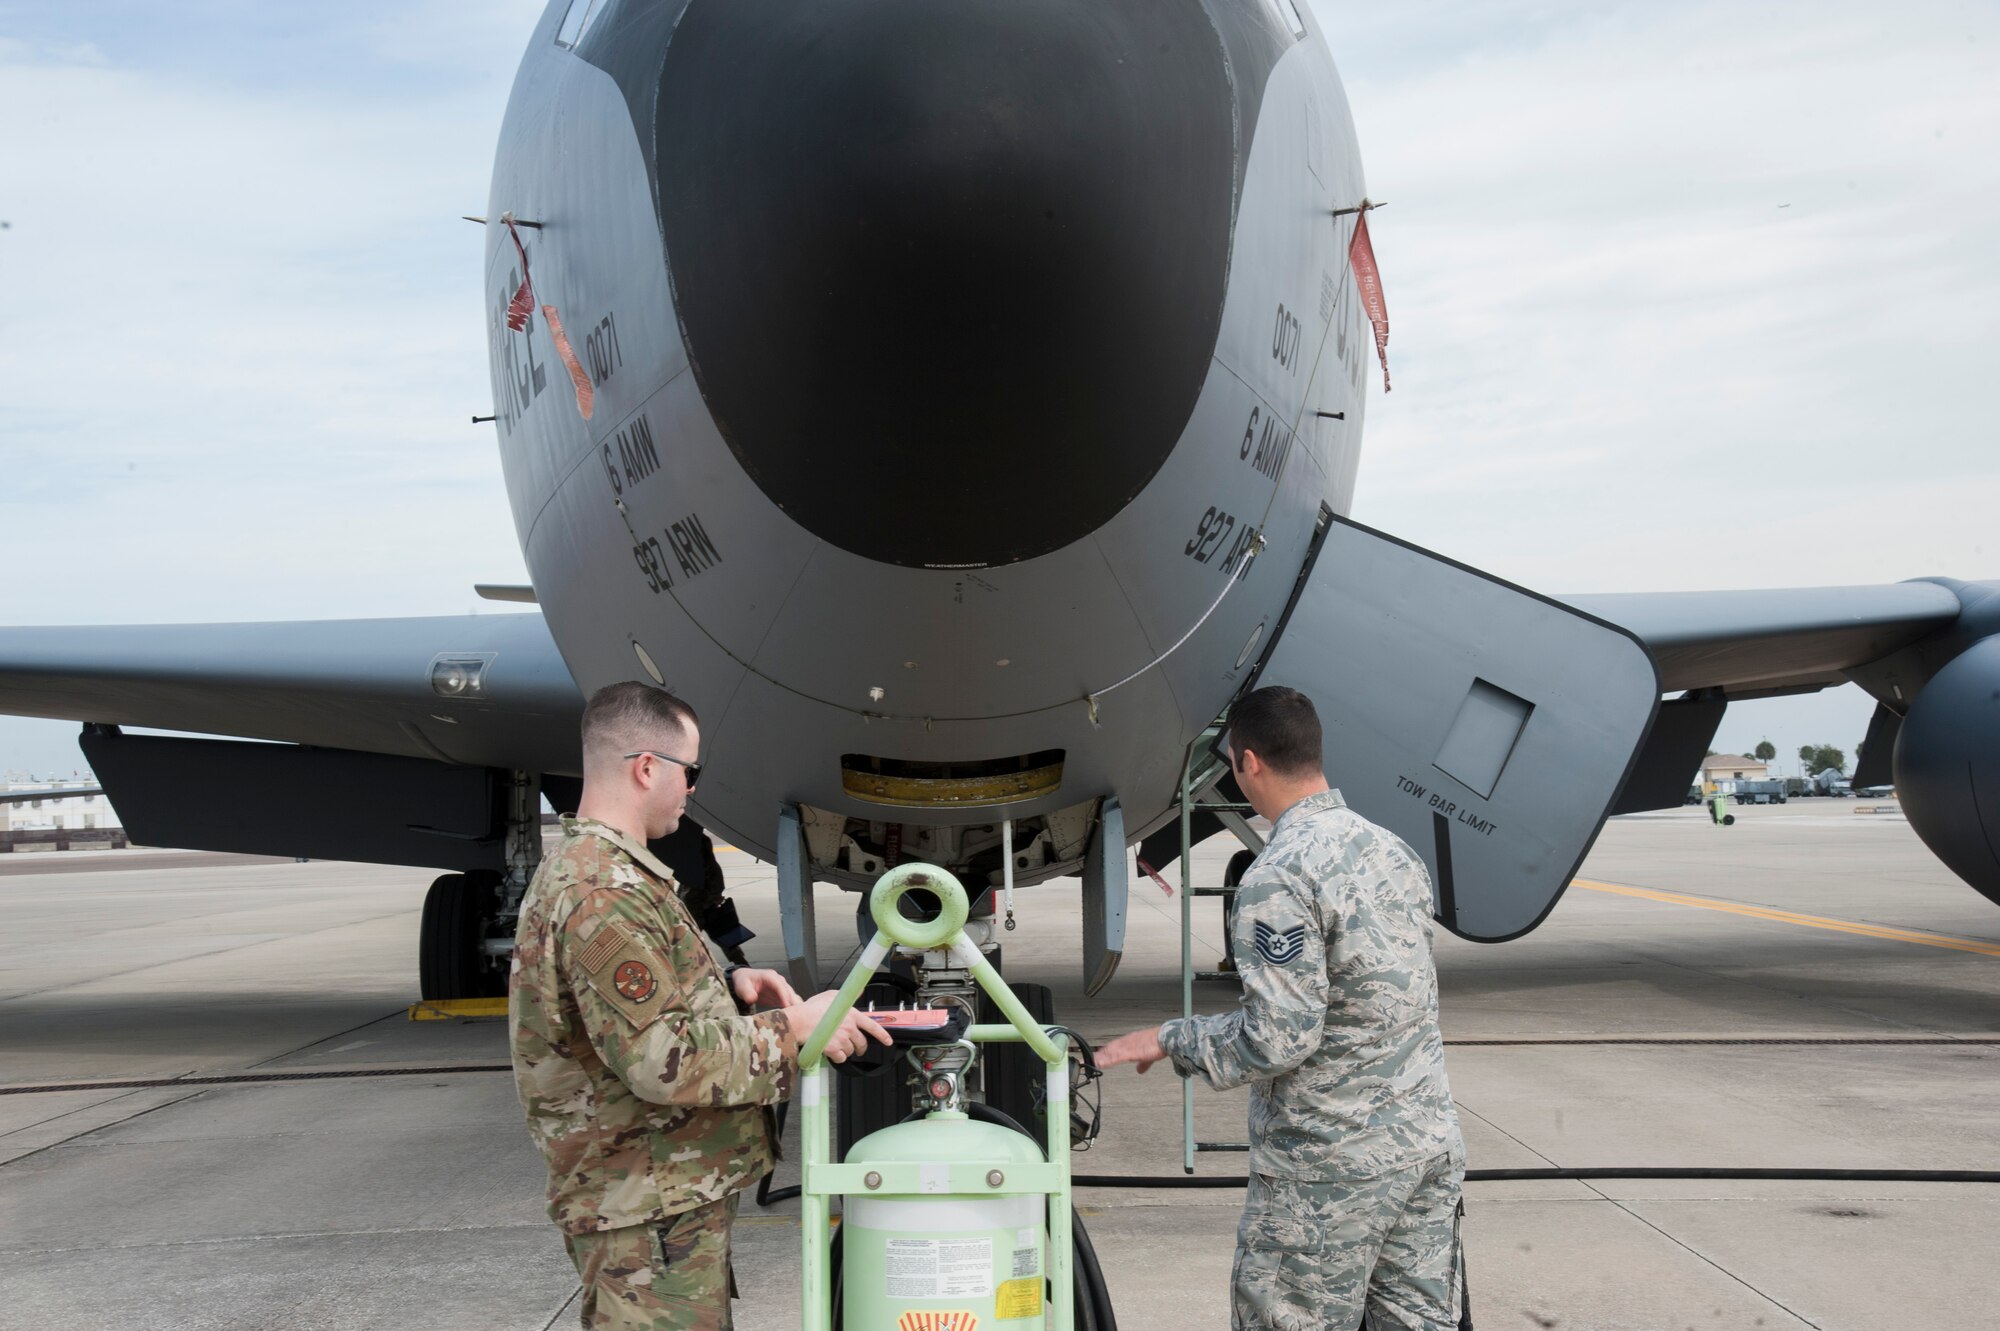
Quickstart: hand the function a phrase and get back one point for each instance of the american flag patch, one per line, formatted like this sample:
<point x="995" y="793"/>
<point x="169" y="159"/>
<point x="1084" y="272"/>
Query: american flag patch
<point x="607" y="943"/>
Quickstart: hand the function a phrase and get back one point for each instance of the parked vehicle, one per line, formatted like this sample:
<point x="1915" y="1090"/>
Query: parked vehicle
<point x="1753" y="792"/>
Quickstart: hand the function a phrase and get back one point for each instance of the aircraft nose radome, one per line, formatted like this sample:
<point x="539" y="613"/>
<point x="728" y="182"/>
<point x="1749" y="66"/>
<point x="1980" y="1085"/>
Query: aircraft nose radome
<point x="950" y="273"/>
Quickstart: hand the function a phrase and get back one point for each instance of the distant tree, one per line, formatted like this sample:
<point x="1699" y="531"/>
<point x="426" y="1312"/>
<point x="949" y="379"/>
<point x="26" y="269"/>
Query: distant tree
<point x="1806" y="752"/>
<point x="1766" y="750"/>
<point x="1823" y="758"/>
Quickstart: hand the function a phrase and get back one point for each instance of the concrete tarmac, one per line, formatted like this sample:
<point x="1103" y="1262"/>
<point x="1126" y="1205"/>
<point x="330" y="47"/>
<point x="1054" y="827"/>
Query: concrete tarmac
<point x="1808" y="988"/>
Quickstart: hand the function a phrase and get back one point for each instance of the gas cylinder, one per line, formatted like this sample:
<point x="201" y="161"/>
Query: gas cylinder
<point x="942" y="1261"/>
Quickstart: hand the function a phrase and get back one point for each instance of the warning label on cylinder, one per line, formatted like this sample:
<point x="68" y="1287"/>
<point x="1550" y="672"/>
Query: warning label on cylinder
<point x="927" y="1321"/>
<point x="939" y="1268"/>
<point x="1018" y="1298"/>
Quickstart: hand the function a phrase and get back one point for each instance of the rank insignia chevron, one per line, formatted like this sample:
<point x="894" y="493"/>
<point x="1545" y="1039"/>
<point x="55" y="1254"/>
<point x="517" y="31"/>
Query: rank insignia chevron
<point x="1280" y="947"/>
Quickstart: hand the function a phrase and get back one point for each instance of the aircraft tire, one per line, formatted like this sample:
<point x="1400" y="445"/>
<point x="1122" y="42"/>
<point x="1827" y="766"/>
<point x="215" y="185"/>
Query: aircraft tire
<point x="1013" y="1073"/>
<point x="450" y="963"/>
<point x="1239" y="864"/>
<point x="1232" y="877"/>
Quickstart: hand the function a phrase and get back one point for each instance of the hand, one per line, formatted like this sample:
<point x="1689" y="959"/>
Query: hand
<point x="849" y="1039"/>
<point x="761" y="988"/>
<point x="1141" y="1047"/>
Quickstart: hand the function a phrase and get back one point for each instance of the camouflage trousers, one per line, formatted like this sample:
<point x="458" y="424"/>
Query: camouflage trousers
<point x="1319" y="1255"/>
<point x="673" y="1276"/>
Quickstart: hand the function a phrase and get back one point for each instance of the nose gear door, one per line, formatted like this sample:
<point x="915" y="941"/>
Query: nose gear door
<point x="1487" y="726"/>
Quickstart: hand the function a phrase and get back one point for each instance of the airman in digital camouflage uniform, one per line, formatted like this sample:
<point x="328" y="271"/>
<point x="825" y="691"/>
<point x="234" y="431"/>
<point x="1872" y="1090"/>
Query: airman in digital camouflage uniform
<point x="642" y="1078"/>
<point x="1355" y="1156"/>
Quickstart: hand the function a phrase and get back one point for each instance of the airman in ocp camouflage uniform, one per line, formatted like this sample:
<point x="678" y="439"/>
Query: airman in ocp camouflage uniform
<point x="1355" y="1156"/>
<point x="642" y="1082"/>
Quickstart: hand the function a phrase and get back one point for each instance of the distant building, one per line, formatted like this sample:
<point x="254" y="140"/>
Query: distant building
<point x="1733" y="767"/>
<point x="58" y="812"/>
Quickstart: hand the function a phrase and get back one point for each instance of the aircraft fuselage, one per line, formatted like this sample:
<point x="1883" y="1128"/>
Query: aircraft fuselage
<point x="949" y="364"/>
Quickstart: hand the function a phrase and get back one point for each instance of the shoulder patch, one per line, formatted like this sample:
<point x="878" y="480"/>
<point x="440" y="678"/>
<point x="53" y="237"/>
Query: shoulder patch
<point x="626" y="973"/>
<point x="634" y="980"/>
<point x="603" y="945"/>
<point x="1280" y="947"/>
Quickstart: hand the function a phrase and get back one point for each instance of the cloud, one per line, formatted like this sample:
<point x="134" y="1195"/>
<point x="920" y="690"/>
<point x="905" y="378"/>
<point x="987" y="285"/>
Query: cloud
<point x="1619" y="363"/>
<point x="243" y="335"/>
<point x="242" y="332"/>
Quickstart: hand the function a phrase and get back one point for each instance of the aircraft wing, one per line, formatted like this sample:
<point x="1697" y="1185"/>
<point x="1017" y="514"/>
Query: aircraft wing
<point x="1753" y="642"/>
<point x="474" y="690"/>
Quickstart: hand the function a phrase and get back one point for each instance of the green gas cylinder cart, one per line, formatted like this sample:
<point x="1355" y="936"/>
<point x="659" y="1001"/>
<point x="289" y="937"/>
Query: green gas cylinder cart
<point x="948" y="1223"/>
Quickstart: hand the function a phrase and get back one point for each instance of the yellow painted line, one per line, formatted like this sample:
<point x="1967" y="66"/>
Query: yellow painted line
<point x="452" y="1009"/>
<point x="1793" y="917"/>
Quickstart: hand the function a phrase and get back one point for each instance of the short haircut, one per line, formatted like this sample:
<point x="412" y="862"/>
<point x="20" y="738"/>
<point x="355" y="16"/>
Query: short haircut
<point x="623" y="718"/>
<point x="1281" y="727"/>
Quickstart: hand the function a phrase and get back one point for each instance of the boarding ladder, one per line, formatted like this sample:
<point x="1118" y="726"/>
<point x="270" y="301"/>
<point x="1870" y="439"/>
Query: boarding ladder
<point x="1201" y="773"/>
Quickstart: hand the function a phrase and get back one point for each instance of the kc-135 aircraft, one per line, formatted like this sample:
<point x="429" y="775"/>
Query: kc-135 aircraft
<point x="959" y="405"/>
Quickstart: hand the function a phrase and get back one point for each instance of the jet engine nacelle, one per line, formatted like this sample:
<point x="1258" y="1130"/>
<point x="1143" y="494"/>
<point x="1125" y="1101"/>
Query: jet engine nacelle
<point x="1947" y="765"/>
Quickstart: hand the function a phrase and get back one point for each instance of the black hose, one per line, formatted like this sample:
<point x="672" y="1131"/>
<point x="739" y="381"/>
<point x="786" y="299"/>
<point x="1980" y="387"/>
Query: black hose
<point x="766" y="1194"/>
<point x="1156" y="1181"/>
<point x="1094" y="1295"/>
<point x="1587" y="1172"/>
<point x="1682" y="1172"/>
<point x="988" y="1114"/>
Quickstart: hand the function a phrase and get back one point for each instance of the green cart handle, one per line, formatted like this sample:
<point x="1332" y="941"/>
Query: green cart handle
<point x="947" y="931"/>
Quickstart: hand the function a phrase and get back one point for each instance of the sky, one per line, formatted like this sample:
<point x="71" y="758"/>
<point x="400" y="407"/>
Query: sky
<point x="1682" y="296"/>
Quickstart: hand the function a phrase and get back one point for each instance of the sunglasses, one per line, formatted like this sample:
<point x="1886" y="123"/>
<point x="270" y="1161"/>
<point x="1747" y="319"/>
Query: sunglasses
<point x="693" y="769"/>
